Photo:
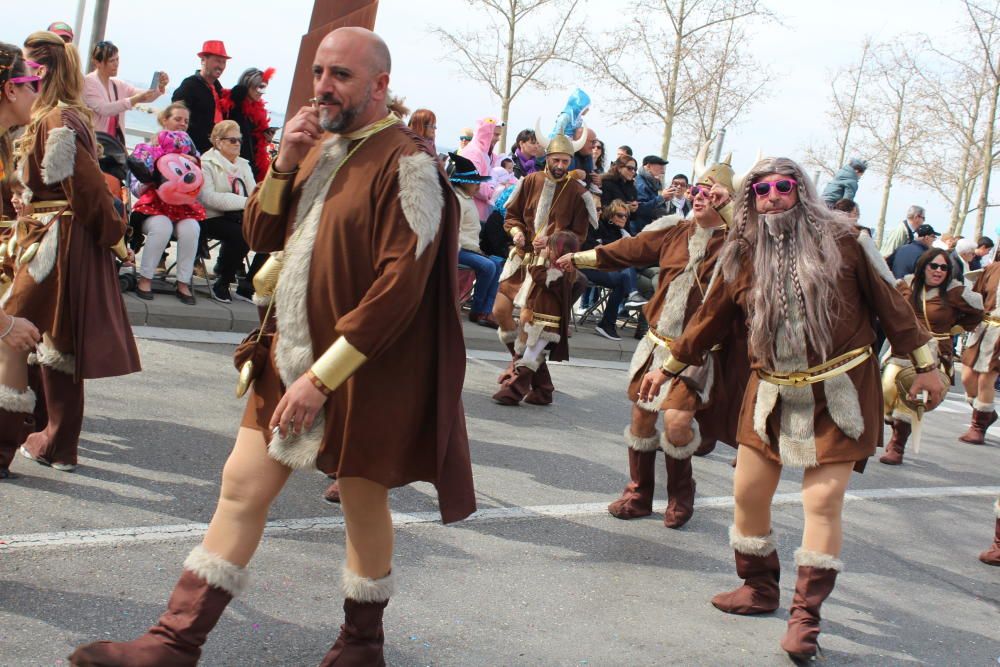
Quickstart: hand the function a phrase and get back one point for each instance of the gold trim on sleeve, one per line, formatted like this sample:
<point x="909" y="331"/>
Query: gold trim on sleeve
<point x="586" y="259"/>
<point x="923" y="359"/>
<point x="338" y="363"/>
<point x="273" y="190"/>
<point x="673" y="367"/>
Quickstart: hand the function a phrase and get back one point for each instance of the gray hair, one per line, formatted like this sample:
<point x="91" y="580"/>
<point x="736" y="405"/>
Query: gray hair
<point x="914" y="211"/>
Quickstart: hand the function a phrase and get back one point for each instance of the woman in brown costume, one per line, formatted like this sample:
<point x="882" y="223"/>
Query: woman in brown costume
<point x="64" y="279"/>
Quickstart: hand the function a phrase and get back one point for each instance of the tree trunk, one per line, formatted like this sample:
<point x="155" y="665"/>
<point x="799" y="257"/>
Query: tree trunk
<point x="507" y="81"/>
<point x="987" y="159"/>
<point x="890" y="167"/>
<point x="675" y="69"/>
<point x="850" y="114"/>
<point x="956" y="211"/>
<point x="886" y="187"/>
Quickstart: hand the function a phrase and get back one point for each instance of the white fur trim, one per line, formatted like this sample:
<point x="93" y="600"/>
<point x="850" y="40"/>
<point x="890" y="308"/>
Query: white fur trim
<point x="981" y="406"/>
<point x="875" y="258"/>
<point x="682" y="452"/>
<point x="507" y="336"/>
<point x="420" y="197"/>
<point x="298" y="451"/>
<point x="552" y="275"/>
<point x="511" y="266"/>
<point x="216" y="571"/>
<point x="13" y="400"/>
<point x="261" y="300"/>
<point x="749" y="545"/>
<point x="901" y="413"/>
<point x="537" y="332"/>
<point x="650" y="444"/>
<point x="844" y="405"/>
<point x="664" y="222"/>
<point x="541" y="219"/>
<point x="531" y="364"/>
<point x="974" y="299"/>
<point x="996" y="508"/>
<point x="640" y="357"/>
<point x="44" y="261"/>
<point x="60" y="156"/>
<point x="987" y="340"/>
<point x="672" y="314"/>
<point x="363" y="589"/>
<point x="521" y="298"/>
<point x="806" y="558"/>
<point x="56" y="360"/>
<point x="591" y="206"/>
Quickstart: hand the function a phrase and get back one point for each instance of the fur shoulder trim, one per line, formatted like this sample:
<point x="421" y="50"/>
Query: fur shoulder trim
<point x="877" y="261"/>
<point x="974" y="299"/>
<point x="665" y="222"/>
<point x="60" y="155"/>
<point x="806" y="558"/>
<point x="421" y="197"/>
<point x="13" y="400"/>
<point x="588" y="201"/>
<point x="552" y="275"/>
<point x="749" y="545"/>
<point x="639" y="444"/>
<point x="216" y="571"/>
<point x="908" y="280"/>
<point x="365" y="589"/>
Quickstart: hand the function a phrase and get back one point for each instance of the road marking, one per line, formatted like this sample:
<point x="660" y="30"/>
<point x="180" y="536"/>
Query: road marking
<point x="115" y="536"/>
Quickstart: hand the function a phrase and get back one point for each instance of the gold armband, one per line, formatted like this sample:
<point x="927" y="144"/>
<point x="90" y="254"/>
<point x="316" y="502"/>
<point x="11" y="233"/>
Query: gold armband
<point x="586" y="259"/>
<point x="338" y="363"/>
<point x="120" y="249"/>
<point x="672" y="367"/>
<point x="513" y="231"/>
<point x="273" y="190"/>
<point x="923" y="359"/>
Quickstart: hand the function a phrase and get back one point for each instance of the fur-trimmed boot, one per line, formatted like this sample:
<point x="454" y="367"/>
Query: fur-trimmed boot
<point x="542" y="388"/>
<point x="897" y="443"/>
<point x="361" y="636"/>
<point x="680" y="479"/>
<point x="16" y="408"/>
<point x="513" y="391"/>
<point x="637" y="499"/>
<point x="983" y="416"/>
<point x="757" y="564"/>
<point x="816" y="578"/>
<point x="206" y="586"/>
<point x="508" y="338"/>
<point x="58" y="443"/>
<point x="992" y="555"/>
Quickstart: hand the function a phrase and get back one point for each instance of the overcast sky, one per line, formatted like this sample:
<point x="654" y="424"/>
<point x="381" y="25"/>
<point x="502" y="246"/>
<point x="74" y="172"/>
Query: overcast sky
<point x="797" y="57"/>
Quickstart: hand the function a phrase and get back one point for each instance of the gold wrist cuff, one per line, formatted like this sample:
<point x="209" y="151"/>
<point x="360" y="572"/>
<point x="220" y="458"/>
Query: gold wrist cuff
<point x="338" y="363"/>
<point x="120" y="249"/>
<point x="514" y="231"/>
<point x="586" y="259"/>
<point x="922" y="358"/>
<point x="273" y="190"/>
<point x="671" y="366"/>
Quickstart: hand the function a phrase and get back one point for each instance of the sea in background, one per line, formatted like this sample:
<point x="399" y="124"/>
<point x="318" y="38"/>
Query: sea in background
<point x="140" y="123"/>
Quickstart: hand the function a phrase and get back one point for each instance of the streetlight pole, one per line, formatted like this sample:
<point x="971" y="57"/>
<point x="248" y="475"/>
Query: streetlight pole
<point x="97" y="32"/>
<point x="81" y="8"/>
<point x="718" y="145"/>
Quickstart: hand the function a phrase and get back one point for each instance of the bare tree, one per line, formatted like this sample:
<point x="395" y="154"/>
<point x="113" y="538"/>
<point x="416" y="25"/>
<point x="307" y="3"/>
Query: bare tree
<point x="985" y="23"/>
<point x="641" y="64"/>
<point x="510" y="56"/>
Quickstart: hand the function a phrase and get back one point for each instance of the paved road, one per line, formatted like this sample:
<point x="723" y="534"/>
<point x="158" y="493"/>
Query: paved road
<point x="542" y="577"/>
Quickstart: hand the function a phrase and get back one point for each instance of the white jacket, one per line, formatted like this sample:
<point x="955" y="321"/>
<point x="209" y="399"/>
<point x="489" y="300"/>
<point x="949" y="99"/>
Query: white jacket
<point x="217" y="193"/>
<point x="468" y="230"/>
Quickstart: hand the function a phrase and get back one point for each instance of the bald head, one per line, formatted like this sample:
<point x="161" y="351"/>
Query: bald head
<point x="351" y="79"/>
<point x="366" y="43"/>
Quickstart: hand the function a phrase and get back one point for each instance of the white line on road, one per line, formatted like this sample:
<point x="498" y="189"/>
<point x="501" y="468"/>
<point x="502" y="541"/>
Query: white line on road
<point x="115" y="536"/>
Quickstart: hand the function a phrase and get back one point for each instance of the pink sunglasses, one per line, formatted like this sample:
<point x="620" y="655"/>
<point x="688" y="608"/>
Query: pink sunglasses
<point x="784" y="186"/>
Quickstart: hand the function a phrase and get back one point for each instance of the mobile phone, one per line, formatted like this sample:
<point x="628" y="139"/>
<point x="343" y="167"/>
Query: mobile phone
<point x="156" y="81"/>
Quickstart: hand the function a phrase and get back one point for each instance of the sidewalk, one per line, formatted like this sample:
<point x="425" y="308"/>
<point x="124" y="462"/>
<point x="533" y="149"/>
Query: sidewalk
<point x="166" y="311"/>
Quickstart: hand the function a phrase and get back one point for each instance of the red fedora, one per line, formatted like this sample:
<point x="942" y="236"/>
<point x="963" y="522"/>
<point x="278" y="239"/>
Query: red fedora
<point x="214" y="47"/>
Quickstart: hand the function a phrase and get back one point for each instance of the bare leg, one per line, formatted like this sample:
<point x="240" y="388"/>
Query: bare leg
<point x="643" y="422"/>
<point x="13" y="368"/>
<point x="369" y="526"/>
<point x="677" y="426"/>
<point x="986" y="387"/>
<point x="503" y="312"/>
<point x="823" y="491"/>
<point x="251" y="481"/>
<point x="970" y="381"/>
<point x="754" y="483"/>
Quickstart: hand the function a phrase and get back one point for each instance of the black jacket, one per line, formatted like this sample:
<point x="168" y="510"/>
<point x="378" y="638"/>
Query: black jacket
<point x="493" y="240"/>
<point x="606" y="232"/>
<point x="194" y="92"/>
<point x="238" y="94"/>
<point x="615" y="188"/>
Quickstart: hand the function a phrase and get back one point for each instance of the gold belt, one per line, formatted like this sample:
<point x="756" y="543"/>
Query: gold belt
<point x="547" y="320"/>
<point x="656" y="338"/>
<point x="992" y="321"/>
<point x="49" y="207"/>
<point x="824" y="371"/>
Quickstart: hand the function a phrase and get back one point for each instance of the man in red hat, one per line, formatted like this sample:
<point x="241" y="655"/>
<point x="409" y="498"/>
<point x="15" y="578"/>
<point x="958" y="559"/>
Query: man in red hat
<point x="202" y="91"/>
<point x="62" y="29"/>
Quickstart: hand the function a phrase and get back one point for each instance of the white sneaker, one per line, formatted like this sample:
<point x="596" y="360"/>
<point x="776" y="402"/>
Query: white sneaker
<point x="64" y="467"/>
<point x="635" y="300"/>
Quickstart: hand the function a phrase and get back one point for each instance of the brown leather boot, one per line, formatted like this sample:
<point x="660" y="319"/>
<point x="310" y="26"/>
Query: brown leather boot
<point x="680" y="480"/>
<point x="206" y="586"/>
<point x="541" y="387"/>
<point x="361" y="636"/>
<point x="757" y="564"/>
<point x="897" y="443"/>
<point x="332" y="493"/>
<point x="637" y="499"/>
<point x="514" y="390"/>
<point x="992" y="555"/>
<point x="508" y="338"/>
<point x="981" y="420"/>
<point x="57" y="444"/>
<point x="816" y="578"/>
<point x="16" y="407"/>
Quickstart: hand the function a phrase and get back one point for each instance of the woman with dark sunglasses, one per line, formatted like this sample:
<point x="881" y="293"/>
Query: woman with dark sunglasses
<point x="66" y="281"/>
<point x="945" y="307"/>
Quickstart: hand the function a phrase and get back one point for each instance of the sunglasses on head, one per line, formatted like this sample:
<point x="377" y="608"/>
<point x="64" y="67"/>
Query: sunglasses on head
<point x="784" y="186"/>
<point x="934" y="266"/>
<point x="33" y="82"/>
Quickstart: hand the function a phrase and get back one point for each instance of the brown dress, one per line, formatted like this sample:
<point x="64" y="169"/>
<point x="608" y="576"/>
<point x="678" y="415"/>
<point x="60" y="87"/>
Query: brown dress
<point x="982" y="352"/>
<point x="959" y="310"/>
<point x="69" y="289"/>
<point x="541" y="205"/>
<point x="370" y="256"/>
<point x="686" y="254"/>
<point x="550" y="300"/>
<point x="836" y="421"/>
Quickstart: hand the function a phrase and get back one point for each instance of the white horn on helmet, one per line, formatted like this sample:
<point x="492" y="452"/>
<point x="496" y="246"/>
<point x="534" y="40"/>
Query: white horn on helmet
<point x="578" y="144"/>
<point x="699" y="159"/>
<point x="541" y="138"/>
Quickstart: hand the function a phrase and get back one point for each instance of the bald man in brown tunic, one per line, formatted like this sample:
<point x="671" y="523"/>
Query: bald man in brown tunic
<point x="365" y="372"/>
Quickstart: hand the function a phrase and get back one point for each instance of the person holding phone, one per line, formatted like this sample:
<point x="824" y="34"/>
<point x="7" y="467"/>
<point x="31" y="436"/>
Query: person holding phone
<point x="109" y="97"/>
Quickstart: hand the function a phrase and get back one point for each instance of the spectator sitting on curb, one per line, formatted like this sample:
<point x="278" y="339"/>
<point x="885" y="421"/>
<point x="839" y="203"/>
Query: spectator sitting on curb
<point x="465" y="179"/>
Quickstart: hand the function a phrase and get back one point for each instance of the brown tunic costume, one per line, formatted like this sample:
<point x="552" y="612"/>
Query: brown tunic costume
<point x="370" y="256"/>
<point x="541" y="205"/>
<point x="686" y="254"/>
<point x="549" y="301"/>
<point x="982" y="352"/>
<point x="839" y="420"/>
<point x="69" y="289"/>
